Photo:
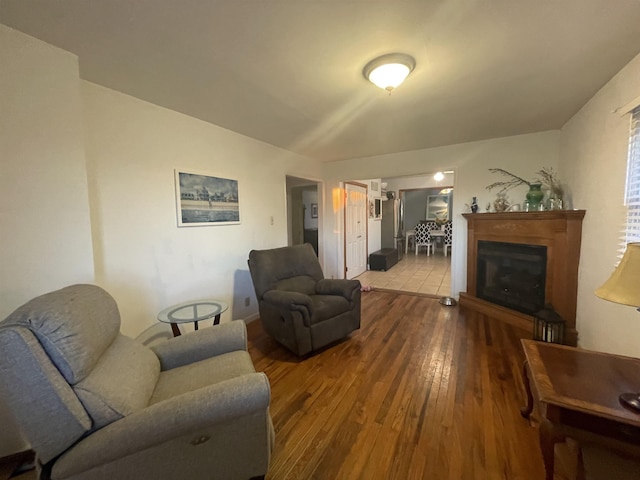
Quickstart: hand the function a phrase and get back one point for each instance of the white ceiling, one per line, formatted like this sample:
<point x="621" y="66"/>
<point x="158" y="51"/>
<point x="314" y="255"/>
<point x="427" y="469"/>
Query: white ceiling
<point x="289" y="72"/>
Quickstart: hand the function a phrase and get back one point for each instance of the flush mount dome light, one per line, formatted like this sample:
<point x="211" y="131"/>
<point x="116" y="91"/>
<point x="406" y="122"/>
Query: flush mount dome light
<point x="389" y="71"/>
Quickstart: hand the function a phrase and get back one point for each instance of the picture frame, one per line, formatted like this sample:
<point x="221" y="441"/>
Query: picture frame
<point x="204" y="200"/>
<point x="314" y="210"/>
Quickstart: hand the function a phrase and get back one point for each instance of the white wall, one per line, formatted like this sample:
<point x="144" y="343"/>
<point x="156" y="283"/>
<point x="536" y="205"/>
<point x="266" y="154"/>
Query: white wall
<point x="594" y="146"/>
<point x="142" y="258"/>
<point x="44" y="214"/>
<point x="523" y="155"/>
<point x="418" y="181"/>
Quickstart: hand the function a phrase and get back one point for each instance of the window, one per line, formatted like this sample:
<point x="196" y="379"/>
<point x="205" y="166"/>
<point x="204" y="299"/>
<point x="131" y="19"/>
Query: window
<point x="632" y="193"/>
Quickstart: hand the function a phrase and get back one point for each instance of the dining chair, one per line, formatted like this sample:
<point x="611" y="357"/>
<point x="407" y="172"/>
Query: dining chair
<point x="423" y="238"/>
<point x="448" y="237"/>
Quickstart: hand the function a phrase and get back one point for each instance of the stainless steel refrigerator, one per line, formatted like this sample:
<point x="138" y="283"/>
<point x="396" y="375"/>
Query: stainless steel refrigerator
<point x="392" y="234"/>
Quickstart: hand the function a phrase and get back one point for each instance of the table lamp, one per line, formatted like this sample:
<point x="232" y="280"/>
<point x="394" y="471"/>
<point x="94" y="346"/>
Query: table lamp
<point x="624" y="287"/>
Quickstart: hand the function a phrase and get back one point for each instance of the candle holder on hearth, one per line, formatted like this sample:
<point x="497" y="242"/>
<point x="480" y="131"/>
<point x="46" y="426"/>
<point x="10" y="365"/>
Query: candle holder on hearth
<point x="548" y="326"/>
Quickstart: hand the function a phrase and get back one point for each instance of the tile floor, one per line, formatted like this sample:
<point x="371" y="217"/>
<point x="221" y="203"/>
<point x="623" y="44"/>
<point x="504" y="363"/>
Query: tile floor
<point x="414" y="273"/>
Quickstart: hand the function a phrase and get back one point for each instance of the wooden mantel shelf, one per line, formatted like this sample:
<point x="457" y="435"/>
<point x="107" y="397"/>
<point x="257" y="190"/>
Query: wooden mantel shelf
<point x="560" y="231"/>
<point x="508" y="216"/>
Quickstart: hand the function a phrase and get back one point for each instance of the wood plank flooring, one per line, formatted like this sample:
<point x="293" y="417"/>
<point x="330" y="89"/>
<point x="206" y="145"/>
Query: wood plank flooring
<point x="421" y="391"/>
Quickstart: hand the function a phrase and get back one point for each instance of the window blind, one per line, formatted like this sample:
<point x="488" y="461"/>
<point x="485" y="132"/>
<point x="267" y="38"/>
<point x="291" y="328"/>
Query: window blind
<point x="632" y="193"/>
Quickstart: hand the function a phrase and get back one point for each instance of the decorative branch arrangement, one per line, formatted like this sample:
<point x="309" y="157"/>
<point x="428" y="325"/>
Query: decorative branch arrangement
<point x="506" y="185"/>
<point x="546" y="176"/>
<point x="550" y="180"/>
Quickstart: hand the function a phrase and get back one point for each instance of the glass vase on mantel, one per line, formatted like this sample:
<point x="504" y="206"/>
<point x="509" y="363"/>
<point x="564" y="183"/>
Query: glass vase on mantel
<point x="501" y="204"/>
<point x="534" y="197"/>
<point x="474" y="205"/>
<point x="554" y="202"/>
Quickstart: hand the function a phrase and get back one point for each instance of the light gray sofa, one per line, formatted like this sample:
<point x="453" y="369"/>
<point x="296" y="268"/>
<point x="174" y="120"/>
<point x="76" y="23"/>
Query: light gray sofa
<point x="298" y="306"/>
<point x="95" y="404"/>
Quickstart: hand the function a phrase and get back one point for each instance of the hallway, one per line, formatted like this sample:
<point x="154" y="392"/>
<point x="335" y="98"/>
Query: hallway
<point x="414" y="274"/>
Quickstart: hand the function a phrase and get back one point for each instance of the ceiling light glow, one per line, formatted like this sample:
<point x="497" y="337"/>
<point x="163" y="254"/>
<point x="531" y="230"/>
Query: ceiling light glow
<point x="389" y="71"/>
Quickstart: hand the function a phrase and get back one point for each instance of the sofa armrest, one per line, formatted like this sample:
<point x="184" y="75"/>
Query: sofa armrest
<point x="334" y="286"/>
<point x="201" y="344"/>
<point x="286" y="299"/>
<point x="168" y="420"/>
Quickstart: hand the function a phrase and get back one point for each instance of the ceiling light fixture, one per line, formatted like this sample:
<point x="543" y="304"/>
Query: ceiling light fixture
<point x="389" y="71"/>
<point x="438" y="177"/>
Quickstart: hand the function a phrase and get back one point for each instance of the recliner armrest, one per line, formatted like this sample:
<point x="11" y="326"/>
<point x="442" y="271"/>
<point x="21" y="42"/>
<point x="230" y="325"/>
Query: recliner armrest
<point x="202" y="344"/>
<point x="287" y="299"/>
<point x="335" y="286"/>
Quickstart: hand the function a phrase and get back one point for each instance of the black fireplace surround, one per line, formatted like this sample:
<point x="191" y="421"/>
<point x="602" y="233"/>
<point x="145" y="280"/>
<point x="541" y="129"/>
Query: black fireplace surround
<point x="512" y="275"/>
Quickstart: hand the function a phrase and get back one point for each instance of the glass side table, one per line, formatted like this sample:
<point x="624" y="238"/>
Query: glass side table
<point x="192" y="311"/>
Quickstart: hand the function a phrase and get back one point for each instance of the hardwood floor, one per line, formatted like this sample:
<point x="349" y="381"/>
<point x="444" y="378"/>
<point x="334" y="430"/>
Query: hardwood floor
<point x="421" y="391"/>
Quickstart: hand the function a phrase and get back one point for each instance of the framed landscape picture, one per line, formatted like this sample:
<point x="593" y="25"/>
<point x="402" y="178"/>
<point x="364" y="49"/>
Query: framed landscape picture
<point x="203" y="199"/>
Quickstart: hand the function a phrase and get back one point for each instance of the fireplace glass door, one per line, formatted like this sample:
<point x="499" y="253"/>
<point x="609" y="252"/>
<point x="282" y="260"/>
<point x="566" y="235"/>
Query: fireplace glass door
<point x="512" y="275"/>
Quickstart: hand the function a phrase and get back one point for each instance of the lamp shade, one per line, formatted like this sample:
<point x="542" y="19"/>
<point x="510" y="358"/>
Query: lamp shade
<point x="624" y="284"/>
<point x="389" y="71"/>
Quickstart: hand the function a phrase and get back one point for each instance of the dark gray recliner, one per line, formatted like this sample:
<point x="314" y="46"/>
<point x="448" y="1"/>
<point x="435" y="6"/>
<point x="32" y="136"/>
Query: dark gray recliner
<point x="298" y="306"/>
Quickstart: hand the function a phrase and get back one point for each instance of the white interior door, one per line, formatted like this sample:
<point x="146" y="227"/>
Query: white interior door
<point x="355" y="219"/>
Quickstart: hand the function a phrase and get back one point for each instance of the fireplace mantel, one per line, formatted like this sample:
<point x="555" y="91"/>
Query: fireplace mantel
<point x="560" y="231"/>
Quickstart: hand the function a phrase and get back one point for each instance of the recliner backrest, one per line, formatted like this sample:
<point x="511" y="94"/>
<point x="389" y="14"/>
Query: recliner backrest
<point x="294" y="268"/>
<point x="66" y="369"/>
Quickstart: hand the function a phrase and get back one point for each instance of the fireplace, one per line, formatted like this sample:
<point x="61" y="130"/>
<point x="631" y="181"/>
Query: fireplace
<point x="512" y="275"/>
<point x="551" y="278"/>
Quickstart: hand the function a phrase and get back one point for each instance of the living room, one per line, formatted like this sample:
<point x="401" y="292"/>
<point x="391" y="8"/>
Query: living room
<point x="88" y="193"/>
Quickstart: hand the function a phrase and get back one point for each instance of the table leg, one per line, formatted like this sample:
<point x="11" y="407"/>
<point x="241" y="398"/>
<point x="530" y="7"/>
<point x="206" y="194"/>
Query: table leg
<point x="526" y="411"/>
<point x="549" y="436"/>
<point x="175" y="329"/>
<point x="216" y="320"/>
<point x="195" y="326"/>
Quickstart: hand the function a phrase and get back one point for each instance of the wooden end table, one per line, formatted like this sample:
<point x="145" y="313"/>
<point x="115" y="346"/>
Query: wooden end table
<point x="577" y="393"/>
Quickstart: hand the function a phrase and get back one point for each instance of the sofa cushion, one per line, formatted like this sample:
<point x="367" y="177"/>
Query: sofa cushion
<point x="75" y="325"/>
<point x="121" y="382"/>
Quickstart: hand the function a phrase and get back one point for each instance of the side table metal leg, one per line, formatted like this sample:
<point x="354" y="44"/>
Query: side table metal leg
<point x="175" y="329"/>
<point x="216" y="319"/>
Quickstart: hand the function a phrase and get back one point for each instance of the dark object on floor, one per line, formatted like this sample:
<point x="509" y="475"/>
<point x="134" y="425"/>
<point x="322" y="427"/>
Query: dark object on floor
<point x="298" y="306"/>
<point x="383" y="259"/>
<point x="97" y="405"/>
<point x="631" y="401"/>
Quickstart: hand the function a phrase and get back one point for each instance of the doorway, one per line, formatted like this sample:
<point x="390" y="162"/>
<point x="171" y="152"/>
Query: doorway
<point x="303" y="211"/>
<point x="420" y="273"/>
